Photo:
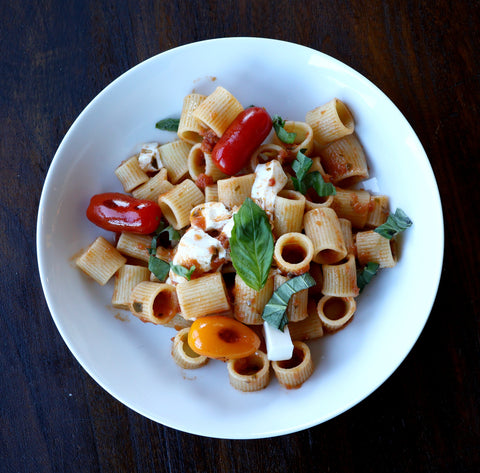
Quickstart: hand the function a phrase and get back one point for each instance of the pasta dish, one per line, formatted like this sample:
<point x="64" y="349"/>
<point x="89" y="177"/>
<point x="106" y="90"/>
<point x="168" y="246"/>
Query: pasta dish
<point x="250" y="235"/>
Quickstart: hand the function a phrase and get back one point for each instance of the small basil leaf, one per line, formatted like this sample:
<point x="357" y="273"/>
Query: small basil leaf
<point x="168" y="124"/>
<point x="305" y="180"/>
<point x="315" y="179"/>
<point x="301" y="165"/>
<point x="366" y="274"/>
<point x="158" y="267"/>
<point x="182" y="271"/>
<point x="173" y="235"/>
<point x="299" y="185"/>
<point x="396" y="223"/>
<point x="283" y="135"/>
<point x="275" y="311"/>
<point x="251" y="244"/>
<point x="153" y="245"/>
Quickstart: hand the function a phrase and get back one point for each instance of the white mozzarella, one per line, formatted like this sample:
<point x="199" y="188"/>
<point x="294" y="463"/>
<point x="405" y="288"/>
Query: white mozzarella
<point x="279" y="344"/>
<point x="149" y="157"/>
<point x="370" y="185"/>
<point x="210" y="216"/>
<point x="269" y="181"/>
<point x="196" y="248"/>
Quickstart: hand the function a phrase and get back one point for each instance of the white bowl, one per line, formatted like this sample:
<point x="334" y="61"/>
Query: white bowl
<point x="132" y="360"/>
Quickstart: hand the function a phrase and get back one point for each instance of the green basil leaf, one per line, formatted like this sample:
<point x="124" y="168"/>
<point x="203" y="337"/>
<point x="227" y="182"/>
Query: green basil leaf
<point x="158" y="267"/>
<point x="173" y="235"/>
<point x="301" y="165"/>
<point x="305" y="180"/>
<point x="366" y="274"/>
<point x="299" y="185"/>
<point x="251" y="244"/>
<point x="283" y="135"/>
<point x="315" y="179"/>
<point x="153" y="245"/>
<point x="168" y="124"/>
<point x="275" y="311"/>
<point x="396" y="223"/>
<point x="182" y="271"/>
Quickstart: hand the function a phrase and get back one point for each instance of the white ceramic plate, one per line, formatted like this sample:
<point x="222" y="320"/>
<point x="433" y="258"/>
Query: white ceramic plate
<point x="130" y="359"/>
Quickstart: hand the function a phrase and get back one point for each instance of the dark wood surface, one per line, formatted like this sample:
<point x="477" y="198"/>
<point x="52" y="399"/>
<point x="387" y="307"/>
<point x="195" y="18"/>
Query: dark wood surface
<point x="56" y="56"/>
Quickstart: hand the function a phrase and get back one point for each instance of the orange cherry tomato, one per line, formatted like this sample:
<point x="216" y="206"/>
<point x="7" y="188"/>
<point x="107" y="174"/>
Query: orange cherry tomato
<point x="222" y="337"/>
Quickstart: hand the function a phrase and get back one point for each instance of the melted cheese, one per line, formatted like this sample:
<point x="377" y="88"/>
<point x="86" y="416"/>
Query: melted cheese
<point x="210" y="216"/>
<point x="197" y="248"/>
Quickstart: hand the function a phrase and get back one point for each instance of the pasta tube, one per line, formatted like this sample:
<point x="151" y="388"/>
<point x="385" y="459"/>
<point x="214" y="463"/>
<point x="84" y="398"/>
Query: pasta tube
<point x="323" y="229"/>
<point x="340" y="279"/>
<point x="126" y="278"/>
<point x="183" y="355"/>
<point x="100" y="261"/>
<point x="177" y="203"/>
<point x="130" y="174"/>
<point x="335" y="312"/>
<point x="189" y="128"/>
<point x="251" y="373"/>
<point x="330" y="122"/>
<point x="153" y="302"/>
<point x="293" y="253"/>
<point x="294" y="372"/>
<point x="206" y="295"/>
<point x="345" y="161"/>
<point x="218" y="110"/>
<point x="373" y="247"/>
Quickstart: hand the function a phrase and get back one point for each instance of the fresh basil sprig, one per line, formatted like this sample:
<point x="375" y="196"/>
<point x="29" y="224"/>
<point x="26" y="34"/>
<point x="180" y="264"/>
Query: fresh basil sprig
<point x="173" y="235"/>
<point x="305" y="180"/>
<point x="168" y="124"/>
<point x="275" y="311"/>
<point x="182" y="271"/>
<point x="366" y="274"/>
<point x="396" y="223"/>
<point x="279" y="127"/>
<point x="159" y="267"/>
<point x="251" y="244"/>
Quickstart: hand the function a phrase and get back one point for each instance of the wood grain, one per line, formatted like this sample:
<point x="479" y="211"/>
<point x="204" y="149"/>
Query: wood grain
<point x="57" y="56"/>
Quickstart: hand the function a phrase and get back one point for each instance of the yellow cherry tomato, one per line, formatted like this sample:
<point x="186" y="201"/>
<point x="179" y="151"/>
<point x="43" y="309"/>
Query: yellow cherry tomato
<point x="222" y="337"/>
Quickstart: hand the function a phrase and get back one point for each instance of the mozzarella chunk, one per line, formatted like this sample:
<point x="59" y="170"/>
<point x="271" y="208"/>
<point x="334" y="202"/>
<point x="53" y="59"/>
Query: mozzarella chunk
<point x="149" y="157"/>
<point x="279" y="344"/>
<point x="199" y="249"/>
<point x="228" y="227"/>
<point x="269" y="181"/>
<point x="210" y="216"/>
<point x="370" y="185"/>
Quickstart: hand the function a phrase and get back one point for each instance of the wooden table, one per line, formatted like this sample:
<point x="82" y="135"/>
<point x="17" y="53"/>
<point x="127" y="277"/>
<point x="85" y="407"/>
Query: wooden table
<point x="56" y="56"/>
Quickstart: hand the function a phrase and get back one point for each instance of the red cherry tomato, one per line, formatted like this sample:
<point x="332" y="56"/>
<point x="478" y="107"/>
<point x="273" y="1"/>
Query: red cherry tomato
<point x="122" y="213"/>
<point x="244" y="135"/>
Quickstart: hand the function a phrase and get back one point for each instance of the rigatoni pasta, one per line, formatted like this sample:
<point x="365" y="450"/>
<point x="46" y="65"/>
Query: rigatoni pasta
<point x="330" y="122"/>
<point x="218" y="110"/>
<point x="344" y="160"/>
<point x="130" y="174"/>
<point x="126" y="278"/>
<point x="189" y="128"/>
<point x="100" y="261"/>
